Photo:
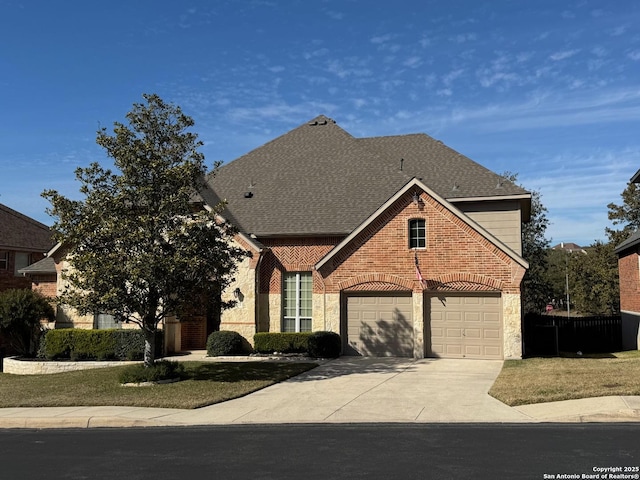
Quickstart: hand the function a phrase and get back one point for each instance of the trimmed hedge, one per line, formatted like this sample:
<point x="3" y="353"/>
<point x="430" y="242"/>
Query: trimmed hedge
<point x="315" y="344"/>
<point x="266" y="342"/>
<point x="113" y="344"/>
<point x="324" y="345"/>
<point x="225" y="343"/>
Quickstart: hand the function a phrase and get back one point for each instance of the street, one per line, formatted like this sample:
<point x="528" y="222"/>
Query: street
<point x="371" y="451"/>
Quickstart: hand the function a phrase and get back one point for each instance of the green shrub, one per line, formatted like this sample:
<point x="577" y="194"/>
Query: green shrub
<point x="58" y="344"/>
<point x="225" y="343"/>
<point x="267" y="342"/>
<point x="324" y="345"/>
<point x="21" y="311"/>
<point x="161" y="370"/>
<point x="113" y="344"/>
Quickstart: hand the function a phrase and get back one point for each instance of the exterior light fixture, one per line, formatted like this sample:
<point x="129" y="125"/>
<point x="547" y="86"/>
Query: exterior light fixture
<point x="237" y="293"/>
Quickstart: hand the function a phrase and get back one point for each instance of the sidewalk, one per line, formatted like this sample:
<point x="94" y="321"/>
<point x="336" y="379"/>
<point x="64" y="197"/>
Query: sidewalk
<point x="349" y="390"/>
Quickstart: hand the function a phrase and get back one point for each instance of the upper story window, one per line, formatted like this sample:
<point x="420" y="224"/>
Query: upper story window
<point x="417" y="233"/>
<point x="23" y="260"/>
<point x="297" y="302"/>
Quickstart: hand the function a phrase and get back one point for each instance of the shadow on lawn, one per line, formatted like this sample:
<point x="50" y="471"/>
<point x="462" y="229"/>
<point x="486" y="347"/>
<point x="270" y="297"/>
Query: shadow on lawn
<point x="245" y="371"/>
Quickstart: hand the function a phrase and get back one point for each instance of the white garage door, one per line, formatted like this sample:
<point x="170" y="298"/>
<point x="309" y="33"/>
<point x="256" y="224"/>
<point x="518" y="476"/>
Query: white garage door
<point x="380" y="326"/>
<point x="466" y="326"/>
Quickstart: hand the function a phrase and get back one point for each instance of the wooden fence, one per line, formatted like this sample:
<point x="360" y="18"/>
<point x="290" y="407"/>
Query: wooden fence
<point x="550" y="334"/>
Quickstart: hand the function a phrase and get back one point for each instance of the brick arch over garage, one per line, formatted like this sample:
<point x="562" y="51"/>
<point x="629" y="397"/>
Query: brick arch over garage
<point x="376" y="282"/>
<point x="464" y="282"/>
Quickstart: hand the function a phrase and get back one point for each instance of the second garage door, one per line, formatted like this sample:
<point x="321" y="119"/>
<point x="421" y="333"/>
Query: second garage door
<point x="380" y="325"/>
<point x="466" y="326"/>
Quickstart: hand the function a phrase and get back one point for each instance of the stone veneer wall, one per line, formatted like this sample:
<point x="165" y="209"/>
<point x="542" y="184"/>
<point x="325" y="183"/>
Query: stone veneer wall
<point x="35" y="367"/>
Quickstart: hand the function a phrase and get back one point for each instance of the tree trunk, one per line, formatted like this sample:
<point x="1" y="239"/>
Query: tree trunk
<point x="149" y="345"/>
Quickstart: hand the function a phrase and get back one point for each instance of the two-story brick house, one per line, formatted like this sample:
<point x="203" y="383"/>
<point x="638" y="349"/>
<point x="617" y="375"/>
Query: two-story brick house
<point x="402" y="245"/>
<point x="629" y="271"/>
<point x="23" y="241"/>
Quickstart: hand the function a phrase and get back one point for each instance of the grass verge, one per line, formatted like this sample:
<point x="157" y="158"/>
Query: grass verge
<point x="204" y="383"/>
<point x="539" y="380"/>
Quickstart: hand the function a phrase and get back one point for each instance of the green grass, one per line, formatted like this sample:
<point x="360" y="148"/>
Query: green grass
<point x="538" y="380"/>
<point x="205" y="383"/>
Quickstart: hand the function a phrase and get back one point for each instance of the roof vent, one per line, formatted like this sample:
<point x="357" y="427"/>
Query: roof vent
<point x="455" y="187"/>
<point x="314" y="123"/>
<point x="500" y="184"/>
<point x="248" y="194"/>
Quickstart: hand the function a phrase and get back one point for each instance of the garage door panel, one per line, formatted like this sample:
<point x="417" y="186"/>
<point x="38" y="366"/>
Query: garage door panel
<point x="466" y="326"/>
<point x="380" y="325"/>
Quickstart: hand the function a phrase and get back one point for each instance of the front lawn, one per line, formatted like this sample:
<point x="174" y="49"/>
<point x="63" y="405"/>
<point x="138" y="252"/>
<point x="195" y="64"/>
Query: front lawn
<point x="538" y="380"/>
<point x="206" y="383"/>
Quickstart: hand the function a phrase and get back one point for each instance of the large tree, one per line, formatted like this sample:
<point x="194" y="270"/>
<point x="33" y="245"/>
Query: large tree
<point x="138" y="248"/>
<point x="626" y="215"/>
<point x="593" y="279"/>
<point x="536" y="289"/>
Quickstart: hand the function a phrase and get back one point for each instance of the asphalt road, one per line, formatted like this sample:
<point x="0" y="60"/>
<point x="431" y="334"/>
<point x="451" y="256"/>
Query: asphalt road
<point x="452" y="451"/>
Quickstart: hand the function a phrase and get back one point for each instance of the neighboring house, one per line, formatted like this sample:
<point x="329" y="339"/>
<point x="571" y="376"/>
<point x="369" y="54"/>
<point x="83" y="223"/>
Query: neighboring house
<point x="569" y="247"/>
<point x="23" y="241"/>
<point x="629" y="271"/>
<point x="400" y="244"/>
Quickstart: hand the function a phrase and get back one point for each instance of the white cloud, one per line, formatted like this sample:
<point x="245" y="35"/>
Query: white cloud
<point x="563" y="54"/>
<point x="413" y="62"/>
<point x="380" y="39"/>
<point x="463" y="38"/>
<point x="634" y="55"/>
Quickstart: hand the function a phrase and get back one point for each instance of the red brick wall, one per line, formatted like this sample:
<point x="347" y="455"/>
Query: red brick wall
<point x="380" y="255"/>
<point x="454" y="251"/>
<point x="629" y="281"/>
<point x="290" y="255"/>
<point x="45" y="285"/>
<point x="9" y="280"/>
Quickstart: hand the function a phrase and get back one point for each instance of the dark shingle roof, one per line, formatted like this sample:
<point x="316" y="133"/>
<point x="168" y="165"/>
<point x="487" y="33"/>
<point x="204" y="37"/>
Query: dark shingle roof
<point x="19" y="232"/>
<point x="318" y="179"/>
<point x="632" y="241"/>
<point x="46" y="265"/>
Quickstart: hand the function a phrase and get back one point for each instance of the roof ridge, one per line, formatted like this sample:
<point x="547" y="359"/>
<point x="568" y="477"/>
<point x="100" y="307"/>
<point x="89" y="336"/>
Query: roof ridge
<point x="24" y="217"/>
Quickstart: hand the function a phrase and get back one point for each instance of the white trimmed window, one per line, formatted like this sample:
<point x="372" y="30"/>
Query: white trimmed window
<point x="297" y="302"/>
<point x="417" y="233"/>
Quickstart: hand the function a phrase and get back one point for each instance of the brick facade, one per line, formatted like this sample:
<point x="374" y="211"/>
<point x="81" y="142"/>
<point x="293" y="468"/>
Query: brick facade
<point x="629" y="268"/>
<point x="457" y="258"/>
<point x="454" y="253"/>
<point x="8" y="277"/>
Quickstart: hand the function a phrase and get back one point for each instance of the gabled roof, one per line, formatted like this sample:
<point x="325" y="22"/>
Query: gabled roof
<point x="412" y="184"/>
<point x="19" y="232"/>
<point x="45" y="266"/>
<point x="317" y="179"/>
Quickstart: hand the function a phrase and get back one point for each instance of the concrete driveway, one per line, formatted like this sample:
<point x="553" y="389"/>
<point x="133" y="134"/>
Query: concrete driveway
<point x="361" y="389"/>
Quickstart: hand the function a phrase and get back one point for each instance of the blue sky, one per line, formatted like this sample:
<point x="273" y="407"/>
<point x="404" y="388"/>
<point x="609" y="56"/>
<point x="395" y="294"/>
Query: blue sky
<point x="548" y="89"/>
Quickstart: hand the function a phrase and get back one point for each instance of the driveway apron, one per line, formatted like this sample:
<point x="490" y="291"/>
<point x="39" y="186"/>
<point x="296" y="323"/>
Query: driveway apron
<point x="365" y="389"/>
